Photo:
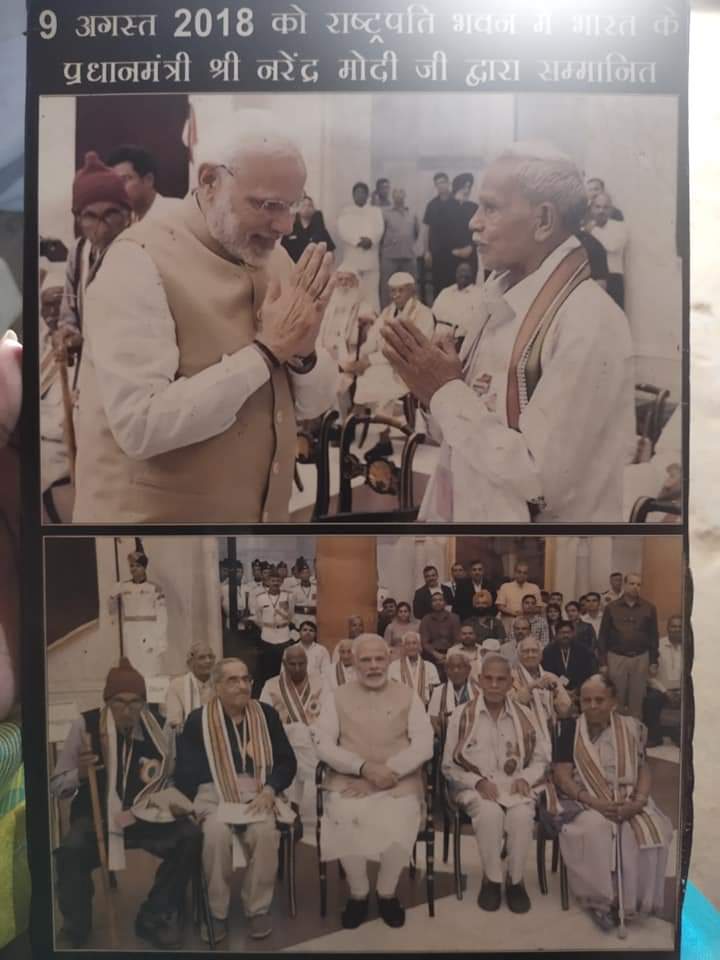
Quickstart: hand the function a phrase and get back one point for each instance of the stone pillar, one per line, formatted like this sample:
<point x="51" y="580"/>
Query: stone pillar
<point x="347" y="585"/>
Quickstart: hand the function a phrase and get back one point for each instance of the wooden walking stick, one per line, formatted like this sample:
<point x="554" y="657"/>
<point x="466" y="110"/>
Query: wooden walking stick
<point x="622" y="931"/>
<point x="102" y="850"/>
<point x="68" y="425"/>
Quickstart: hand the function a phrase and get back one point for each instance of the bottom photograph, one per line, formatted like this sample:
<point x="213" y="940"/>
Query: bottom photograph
<point x="360" y="743"/>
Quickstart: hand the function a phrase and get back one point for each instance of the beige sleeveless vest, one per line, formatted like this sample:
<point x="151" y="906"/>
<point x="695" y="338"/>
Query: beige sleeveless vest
<point x="374" y="725"/>
<point x="242" y="475"/>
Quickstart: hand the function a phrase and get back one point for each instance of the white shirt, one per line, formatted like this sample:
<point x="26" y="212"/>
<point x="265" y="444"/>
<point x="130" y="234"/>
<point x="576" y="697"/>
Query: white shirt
<point x="458" y="310"/>
<point x="452" y="699"/>
<point x="489" y="745"/>
<point x="432" y="678"/>
<point x="160" y="207"/>
<point x="273" y="614"/>
<point x="379" y="383"/>
<point x="131" y="336"/>
<point x="318" y="660"/>
<point x="593" y="621"/>
<point x="241" y="593"/>
<point x="410" y="758"/>
<point x="576" y="433"/>
<point x="304" y="603"/>
<point x="175" y="705"/>
<point x="355" y="222"/>
<point x="670" y="665"/>
<point x="613" y="236"/>
<point x="339" y="328"/>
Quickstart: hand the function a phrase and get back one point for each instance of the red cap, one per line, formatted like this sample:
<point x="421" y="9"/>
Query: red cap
<point x="95" y="183"/>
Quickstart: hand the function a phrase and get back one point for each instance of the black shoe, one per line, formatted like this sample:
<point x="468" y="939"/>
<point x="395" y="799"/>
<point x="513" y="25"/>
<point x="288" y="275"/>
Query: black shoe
<point x="490" y="896"/>
<point x="382" y="449"/>
<point x="517" y="898"/>
<point x="161" y="930"/>
<point x="392" y="911"/>
<point x="355" y="913"/>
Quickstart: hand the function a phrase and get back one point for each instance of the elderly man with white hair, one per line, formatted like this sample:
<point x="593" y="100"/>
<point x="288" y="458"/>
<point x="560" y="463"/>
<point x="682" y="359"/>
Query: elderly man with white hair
<point x="493" y="758"/>
<point x="460" y="687"/>
<point x="545" y="386"/>
<point x="192" y="689"/>
<point x="378" y="385"/>
<point x="345" y="323"/>
<point x="542" y="692"/>
<point x="297" y="695"/>
<point x="411" y="669"/>
<point x="200" y="347"/>
<point x="375" y="736"/>
<point x="343" y="667"/>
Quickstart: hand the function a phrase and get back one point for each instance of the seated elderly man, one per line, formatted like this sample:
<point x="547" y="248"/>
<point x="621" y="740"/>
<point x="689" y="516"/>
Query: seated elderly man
<point x="194" y="688"/>
<point x="460" y="687"/>
<point x="600" y="767"/>
<point x="458" y="310"/>
<point x="504" y="400"/>
<point x="234" y="759"/>
<point x="297" y="696"/>
<point x="345" y="323"/>
<point x="412" y="670"/>
<point x="378" y="386"/>
<point x="343" y="670"/>
<point x="375" y="736"/>
<point x="540" y="691"/>
<point x="493" y="757"/>
<point x="130" y="742"/>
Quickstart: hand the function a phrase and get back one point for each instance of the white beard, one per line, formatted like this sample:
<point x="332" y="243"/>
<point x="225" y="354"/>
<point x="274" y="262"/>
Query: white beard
<point x="222" y="224"/>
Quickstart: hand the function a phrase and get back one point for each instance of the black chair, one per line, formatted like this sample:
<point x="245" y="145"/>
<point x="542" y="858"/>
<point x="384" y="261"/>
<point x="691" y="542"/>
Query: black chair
<point x="542" y="837"/>
<point x="286" y="861"/>
<point x="651" y="412"/>
<point x="426" y="835"/>
<point x="351" y="467"/>
<point x="201" y="913"/>
<point x="644" y="506"/>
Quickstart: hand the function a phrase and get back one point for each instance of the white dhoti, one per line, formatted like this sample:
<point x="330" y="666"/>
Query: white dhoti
<point x="587" y="845"/>
<point x="379" y="827"/>
<point x="491" y="821"/>
<point x="259" y="843"/>
<point x="301" y="741"/>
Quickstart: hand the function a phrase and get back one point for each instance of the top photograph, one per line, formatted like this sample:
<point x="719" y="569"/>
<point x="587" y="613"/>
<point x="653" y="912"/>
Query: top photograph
<point x="361" y="308"/>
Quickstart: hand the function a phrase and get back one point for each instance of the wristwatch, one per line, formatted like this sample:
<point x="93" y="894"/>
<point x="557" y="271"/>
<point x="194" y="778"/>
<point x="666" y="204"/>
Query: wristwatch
<point x="303" y="364"/>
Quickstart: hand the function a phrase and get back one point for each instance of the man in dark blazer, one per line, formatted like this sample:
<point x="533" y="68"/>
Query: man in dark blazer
<point x="422" y="601"/>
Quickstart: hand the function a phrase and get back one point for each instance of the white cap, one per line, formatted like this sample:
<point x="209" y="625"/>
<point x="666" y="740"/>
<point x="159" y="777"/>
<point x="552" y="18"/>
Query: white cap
<point x="490" y="645"/>
<point x="401" y="280"/>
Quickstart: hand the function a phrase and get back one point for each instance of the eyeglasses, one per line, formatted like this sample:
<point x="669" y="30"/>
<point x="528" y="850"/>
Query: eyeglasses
<point x="272" y="207"/>
<point x="111" y="218"/>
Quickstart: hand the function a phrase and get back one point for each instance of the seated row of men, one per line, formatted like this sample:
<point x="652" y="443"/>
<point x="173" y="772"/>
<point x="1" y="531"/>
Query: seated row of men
<point x="215" y="792"/>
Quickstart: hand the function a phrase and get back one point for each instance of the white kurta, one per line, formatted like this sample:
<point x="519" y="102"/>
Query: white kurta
<point x="353" y="223"/>
<point x="144" y="624"/>
<point x="379" y="383"/>
<point x="432" y="678"/>
<point x="368" y="826"/>
<point x="185" y="694"/>
<point x="318" y="660"/>
<point x="458" y="311"/>
<point x="613" y="236"/>
<point x="299" y="734"/>
<point x="576" y="432"/>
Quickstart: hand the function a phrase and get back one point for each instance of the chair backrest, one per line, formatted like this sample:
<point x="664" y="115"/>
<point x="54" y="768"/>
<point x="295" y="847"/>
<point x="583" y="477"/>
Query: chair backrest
<point x="644" y="506"/>
<point x="406" y="511"/>
<point x="653" y="420"/>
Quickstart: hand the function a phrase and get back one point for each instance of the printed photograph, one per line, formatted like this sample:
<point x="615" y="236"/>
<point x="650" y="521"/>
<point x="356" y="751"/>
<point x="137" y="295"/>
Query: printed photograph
<point x="365" y="744"/>
<point x="360" y="307"/>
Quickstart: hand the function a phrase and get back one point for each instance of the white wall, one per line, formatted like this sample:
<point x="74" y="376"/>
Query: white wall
<point x="56" y="167"/>
<point x="187" y="570"/>
<point x="400" y="562"/>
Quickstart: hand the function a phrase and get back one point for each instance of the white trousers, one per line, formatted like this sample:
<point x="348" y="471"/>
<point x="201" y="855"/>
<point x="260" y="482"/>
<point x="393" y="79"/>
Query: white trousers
<point x="392" y="862"/>
<point x="370" y="287"/>
<point x="490" y="822"/>
<point x="260" y="845"/>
